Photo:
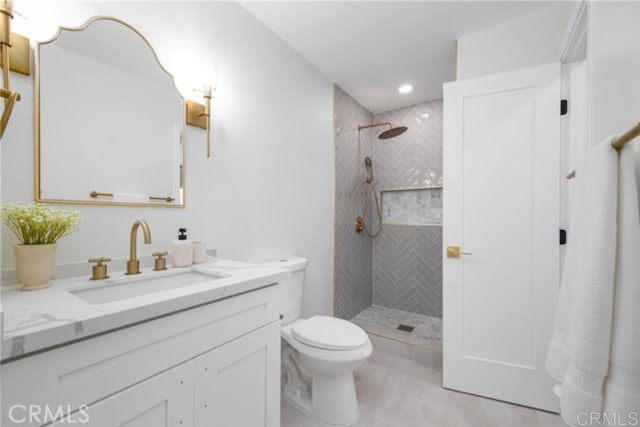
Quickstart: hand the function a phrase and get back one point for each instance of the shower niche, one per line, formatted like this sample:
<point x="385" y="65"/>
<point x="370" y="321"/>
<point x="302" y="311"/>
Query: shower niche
<point x="412" y="206"/>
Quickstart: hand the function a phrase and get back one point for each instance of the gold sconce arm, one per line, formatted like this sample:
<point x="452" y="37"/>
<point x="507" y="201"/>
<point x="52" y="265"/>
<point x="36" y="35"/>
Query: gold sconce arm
<point x="207" y="116"/>
<point x="10" y="97"/>
<point x="199" y="115"/>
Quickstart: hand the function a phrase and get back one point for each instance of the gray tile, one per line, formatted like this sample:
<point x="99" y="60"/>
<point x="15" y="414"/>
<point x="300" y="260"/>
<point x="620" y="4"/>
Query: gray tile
<point x="407" y="260"/>
<point x="384" y="322"/>
<point x="353" y="260"/>
<point x="402" y="267"/>
<point x="407" y="269"/>
<point x="548" y="419"/>
<point x="383" y="345"/>
<point x="413" y="159"/>
<point x="463" y="410"/>
<point x="428" y="358"/>
<point x="395" y="391"/>
<point x="501" y="414"/>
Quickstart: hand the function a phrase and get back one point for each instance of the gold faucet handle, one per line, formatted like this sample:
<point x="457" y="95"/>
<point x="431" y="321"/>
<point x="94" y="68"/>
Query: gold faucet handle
<point x="99" y="271"/>
<point x="160" y="263"/>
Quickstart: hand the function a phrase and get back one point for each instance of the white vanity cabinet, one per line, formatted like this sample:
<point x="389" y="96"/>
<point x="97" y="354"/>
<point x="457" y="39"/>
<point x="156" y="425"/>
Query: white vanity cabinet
<point x="163" y="400"/>
<point x="238" y="384"/>
<point x="217" y="364"/>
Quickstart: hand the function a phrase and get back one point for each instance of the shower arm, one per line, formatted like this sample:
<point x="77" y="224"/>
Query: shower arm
<point x="373" y="125"/>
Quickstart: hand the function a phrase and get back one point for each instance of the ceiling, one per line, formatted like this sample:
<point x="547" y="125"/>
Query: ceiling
<point x="370" y="48"/>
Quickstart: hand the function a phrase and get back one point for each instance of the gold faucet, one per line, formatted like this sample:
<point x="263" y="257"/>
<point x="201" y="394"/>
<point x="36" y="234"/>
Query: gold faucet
<point x="133" y="265"/>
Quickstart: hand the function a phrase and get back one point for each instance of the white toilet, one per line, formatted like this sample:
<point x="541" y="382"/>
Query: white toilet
<point x="320" y="355"/>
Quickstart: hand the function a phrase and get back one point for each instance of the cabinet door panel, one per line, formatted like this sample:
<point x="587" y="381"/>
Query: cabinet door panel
<point x="163" y="400"/>
<point x="91" y="369"/>
<point x="238" y="384"/>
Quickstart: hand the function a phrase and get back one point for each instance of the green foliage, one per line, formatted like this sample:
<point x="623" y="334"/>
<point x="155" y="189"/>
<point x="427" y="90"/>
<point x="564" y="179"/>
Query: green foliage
<point x="39" y="224"/>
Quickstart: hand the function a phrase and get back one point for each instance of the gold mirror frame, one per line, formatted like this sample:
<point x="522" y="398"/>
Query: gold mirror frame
<point x="37" y="189"/>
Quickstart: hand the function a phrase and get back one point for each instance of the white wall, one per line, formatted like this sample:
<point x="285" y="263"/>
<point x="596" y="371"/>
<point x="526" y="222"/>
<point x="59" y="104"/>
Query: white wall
<point x="532" y="39"/>
<point x="268" y="189"/>
<point x="614" y="66"/>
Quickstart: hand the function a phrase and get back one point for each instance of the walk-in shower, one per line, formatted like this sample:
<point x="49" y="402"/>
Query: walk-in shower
<point x="370" y="194"/>
<point x="390" y="285"/>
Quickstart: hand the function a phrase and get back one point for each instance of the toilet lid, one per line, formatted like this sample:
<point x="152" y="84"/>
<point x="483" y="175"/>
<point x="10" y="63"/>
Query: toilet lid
<point x="330" y="333"/>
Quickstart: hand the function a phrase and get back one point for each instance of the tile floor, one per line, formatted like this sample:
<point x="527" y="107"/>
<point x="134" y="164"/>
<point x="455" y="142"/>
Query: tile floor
<point x="384" y="321"/>
<point x="401" y="386"/>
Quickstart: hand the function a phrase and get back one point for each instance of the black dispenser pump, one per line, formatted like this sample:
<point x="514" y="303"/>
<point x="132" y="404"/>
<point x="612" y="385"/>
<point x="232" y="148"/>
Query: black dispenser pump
<point x="182" y="234"/>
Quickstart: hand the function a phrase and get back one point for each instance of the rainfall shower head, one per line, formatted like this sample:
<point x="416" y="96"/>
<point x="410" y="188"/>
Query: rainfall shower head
<point x="387" y="134"/>
<point x="393" y="132"/>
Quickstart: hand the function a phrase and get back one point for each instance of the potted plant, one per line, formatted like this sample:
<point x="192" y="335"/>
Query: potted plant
<point x="38" y="228"/>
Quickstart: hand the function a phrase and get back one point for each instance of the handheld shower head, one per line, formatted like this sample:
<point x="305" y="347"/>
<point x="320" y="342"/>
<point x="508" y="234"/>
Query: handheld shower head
<point x="368" y="165"/>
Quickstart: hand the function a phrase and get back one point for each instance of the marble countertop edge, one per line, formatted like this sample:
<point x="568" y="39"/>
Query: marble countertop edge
<point x="39" y="320"/>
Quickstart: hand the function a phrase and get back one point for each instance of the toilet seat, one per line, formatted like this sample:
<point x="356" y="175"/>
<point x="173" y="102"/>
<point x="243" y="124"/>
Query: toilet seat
<point x="330" y="333"/>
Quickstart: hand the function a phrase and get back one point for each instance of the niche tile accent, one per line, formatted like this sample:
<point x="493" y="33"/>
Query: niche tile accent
<point x="419" y="206"/>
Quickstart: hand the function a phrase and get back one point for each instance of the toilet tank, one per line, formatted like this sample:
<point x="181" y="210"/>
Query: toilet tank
<point x="291" y="288"/>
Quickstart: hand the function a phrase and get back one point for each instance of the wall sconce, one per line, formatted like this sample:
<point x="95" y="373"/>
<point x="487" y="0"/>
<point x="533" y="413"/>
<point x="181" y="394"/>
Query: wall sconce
<point x="19" y="56"/>
<point x="200" y="115"/>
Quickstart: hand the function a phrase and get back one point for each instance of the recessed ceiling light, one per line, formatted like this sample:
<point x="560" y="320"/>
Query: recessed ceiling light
<point x="405" y="88"/>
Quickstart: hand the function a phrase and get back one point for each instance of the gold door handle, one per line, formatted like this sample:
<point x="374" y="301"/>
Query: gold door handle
<point x="455" y="252"/>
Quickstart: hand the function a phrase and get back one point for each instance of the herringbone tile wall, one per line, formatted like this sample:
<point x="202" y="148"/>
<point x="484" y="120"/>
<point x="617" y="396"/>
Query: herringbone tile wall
<point x="407" y="260"/>
<point x="402" y="267"/>
<point x="353" y="260"/>
<point x="413" y="159"/>
<point x="407" y="269"/>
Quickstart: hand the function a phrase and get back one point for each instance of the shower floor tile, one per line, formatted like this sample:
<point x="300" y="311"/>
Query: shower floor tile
<point x="383" y="321"/>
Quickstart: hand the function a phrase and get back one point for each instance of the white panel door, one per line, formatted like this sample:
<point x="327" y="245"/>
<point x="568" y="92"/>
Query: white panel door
<point x="501" y="205"/>
<point x="238" y="384"/>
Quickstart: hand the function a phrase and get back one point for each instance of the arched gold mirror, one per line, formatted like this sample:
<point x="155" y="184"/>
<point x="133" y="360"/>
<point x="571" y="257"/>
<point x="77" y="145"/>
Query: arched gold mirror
<point x="109" y="120"/>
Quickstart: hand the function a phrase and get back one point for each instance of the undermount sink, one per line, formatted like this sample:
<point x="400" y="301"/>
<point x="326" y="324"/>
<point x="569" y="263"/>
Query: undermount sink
<point x="134" y="286"/>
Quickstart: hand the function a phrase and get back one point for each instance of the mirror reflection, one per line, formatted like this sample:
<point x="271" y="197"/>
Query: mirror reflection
<point x="111" y="121"/>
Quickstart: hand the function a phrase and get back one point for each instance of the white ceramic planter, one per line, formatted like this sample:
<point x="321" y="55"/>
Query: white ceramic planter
<point x="35" y="265"/>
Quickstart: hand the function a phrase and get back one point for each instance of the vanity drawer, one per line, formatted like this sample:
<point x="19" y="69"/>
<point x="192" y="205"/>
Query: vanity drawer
<point x="89" y="370"/>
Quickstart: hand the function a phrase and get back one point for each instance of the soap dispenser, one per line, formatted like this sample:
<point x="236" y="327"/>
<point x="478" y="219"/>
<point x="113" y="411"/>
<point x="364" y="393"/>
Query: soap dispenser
<point x="182" y="250"/>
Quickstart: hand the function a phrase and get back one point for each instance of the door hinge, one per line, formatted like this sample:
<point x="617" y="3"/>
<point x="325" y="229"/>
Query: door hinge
<point x="564" y="107"/>
<point x="563" y="236"/>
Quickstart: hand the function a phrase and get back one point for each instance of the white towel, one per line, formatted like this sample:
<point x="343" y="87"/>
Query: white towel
<point x="583" y="345"/>
<point x="622" y="389"/>
<point x="130" y="197"/>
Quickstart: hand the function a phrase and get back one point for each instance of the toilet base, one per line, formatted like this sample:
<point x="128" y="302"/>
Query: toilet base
<point x="333" y="400"/>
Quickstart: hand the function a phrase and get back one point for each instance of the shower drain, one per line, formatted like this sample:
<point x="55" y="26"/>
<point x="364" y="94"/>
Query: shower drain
<point x="406" y="328"/>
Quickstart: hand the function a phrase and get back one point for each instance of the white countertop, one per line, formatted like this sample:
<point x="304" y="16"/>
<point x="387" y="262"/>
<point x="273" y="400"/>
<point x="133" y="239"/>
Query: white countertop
<point x="36" y="320"/>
